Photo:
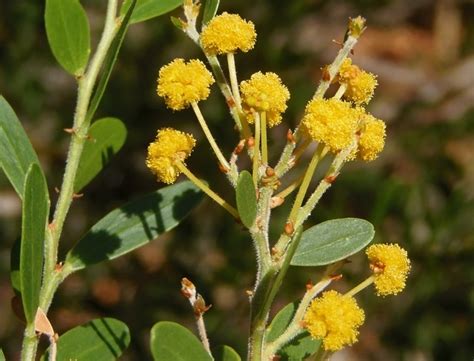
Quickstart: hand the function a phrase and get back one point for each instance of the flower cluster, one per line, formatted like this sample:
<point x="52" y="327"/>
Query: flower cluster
<point x="228" y="33"/>
<point x="360" y="84"/>
<point x="181" y="84"/>
<point x="390" y="265"/>
<point x="170" y="147"/>
<point x="264" y="92"/>
<point x="335" y="319"/>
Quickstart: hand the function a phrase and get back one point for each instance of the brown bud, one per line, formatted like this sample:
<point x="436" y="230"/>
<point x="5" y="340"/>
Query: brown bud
<point x="309" y="285"/>
<point x="249" y="293"/>
<point x="250" y="142"/>
<point x="223" y="169"/>
<point x="289" y="228"/>
<point x="188" y="289"/>
<point x="77" y="195"/>
<point x="238" y="149"/>
<point x="325" y="74"/>
<point x="70" y="130"/>
<point x="336" y="277"/>
<point x="270" y="172"/>
<point x="230" y="102"/>
<point x="290" y="137"/>
<point x="330" y="178"/>
<point x="58" y="267"/>
<point x="200" y="306"/>
<point x="276" y="202"/>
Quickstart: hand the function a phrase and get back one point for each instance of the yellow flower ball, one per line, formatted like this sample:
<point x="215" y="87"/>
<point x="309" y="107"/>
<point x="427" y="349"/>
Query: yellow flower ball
<point x="227" y="33"/>
<point x="335" y="319"/>
<point x="360" y="84"/>
<point x="181" y="84"/>
<point x="372" y="138"/>
<point x="170" y="146"/>
<point x="390" y="265"/>
<point x="264" y="92"/>
<point x="332" y="122"/>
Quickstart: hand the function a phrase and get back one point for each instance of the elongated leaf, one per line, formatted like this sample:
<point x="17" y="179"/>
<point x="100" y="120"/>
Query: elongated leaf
<point x="111" y="58"/>
<point x="16" y="151"/>
<point x="170" y="341"/>
<point x="149" y="9"/>
<point x="332" y="241"/>
<point x="33" y="225"/>
<point x="246" y="199"/>
<point x="226" y="353"/>
<point x="103" y="339"/>
<point x="133" y="225"/>
<point x="68" y="34"/>
<point x="301" y="346"/>
<point x="107" y="136"/>
<point x="210" y="10"/>
<point x="2" y="356"/>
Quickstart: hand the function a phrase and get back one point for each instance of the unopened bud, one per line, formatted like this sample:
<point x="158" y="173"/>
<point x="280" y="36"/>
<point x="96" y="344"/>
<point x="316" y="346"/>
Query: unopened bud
<point x="356" y="26"/>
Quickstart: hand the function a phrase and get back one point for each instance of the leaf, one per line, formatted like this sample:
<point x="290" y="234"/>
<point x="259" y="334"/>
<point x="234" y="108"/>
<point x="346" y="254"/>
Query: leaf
<point x="170" y="341"/>
<point x="2" y="356"/>
<point x="107" y="136"/>
<point x="16" y="151"/>
<point x="102" y="339"/>
<point x="133" y="225"/>
<point x="246" y="199"/>
<point x="33" y="225"/>
<point x="226" y="353"/>
<point x="210" y="10"/>
<point x="301" y="346"/>
<point x="149" y="9"/>
<point x="332" y="241"/>
<point x="67" y="28"/>
<point x="111" y="58"/>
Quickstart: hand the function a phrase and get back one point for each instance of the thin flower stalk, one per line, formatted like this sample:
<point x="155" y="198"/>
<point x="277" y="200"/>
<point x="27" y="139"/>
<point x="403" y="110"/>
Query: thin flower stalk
<point x="213" y="195"/>
<point x="263" y="130"/>
<point x="364" y="284"/>
<point x="233" y="79"/>
<point x="209" y="136"/>
<point x="256" y="150"/>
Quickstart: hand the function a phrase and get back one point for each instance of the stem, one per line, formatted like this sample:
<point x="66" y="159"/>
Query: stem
<point x="340" y="92"/>
<point x="207" y="190"/>
<point x="52" y="278"/>
<point x="203" y="334"/>
<point x="30" y="343"/>
<point x="239" y="117"/>
<point x="361" y="286"/>
<point x="333" y="69"/>
<point x="209" y="136"/>
<point x="233" y="79"/>
<point x="263" y="126"/>
<point x="264" y="295"/>
<point x="305" y="183"/>
<point x="291" y="187"/>
<point x="53" y="348"/>
<point x="286" y="162"/>
<point x="256" y="150"/>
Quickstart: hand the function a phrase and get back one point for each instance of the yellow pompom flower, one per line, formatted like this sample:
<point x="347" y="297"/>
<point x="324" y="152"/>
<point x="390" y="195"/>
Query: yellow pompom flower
<point x="390" y="265"/>
<point x="372" y="138"/>
<point x="181" y="84"/>
<point x="170" y="146"/>
<point x="331" y="121"/>
<point x="264" y="93"/>
<point x="360" y="84"/>
<point x="335" y="319"/>
<point x="227" y="33"/>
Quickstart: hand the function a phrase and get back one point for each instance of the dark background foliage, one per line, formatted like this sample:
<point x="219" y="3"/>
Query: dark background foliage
<point x="419" y="193"/>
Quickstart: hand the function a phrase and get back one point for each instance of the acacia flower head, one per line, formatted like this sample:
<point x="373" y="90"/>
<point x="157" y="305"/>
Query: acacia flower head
<point x="335" y="319"/>
<point x="170" y="147"/>
<point x="181" y="84"/>
<point x="227" y="33"/>
<point x="390" y="265"/>
<point x="372" y="137"/>
<point x="331" y="121"/>
<point x="360" y="84"/>
<point x="264" y="92"/>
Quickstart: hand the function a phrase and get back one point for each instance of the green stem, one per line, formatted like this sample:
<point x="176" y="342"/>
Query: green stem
<point x="233" y="79"/>
<point x="210" y="138"/>
<point x="305" y="183"/>
<point x="239" y="117"/>
<point x="263" y="130"/>
<point x="256" y="150"/>
<point x="213" y="195"/>
<point x="30" y="343"/>
<point x="263" y="298"/>
<point x="364" y="284"/>
<point x="52" y="277"/>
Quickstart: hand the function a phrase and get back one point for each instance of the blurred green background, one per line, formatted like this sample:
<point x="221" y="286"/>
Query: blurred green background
<point x="419" y="193"/>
